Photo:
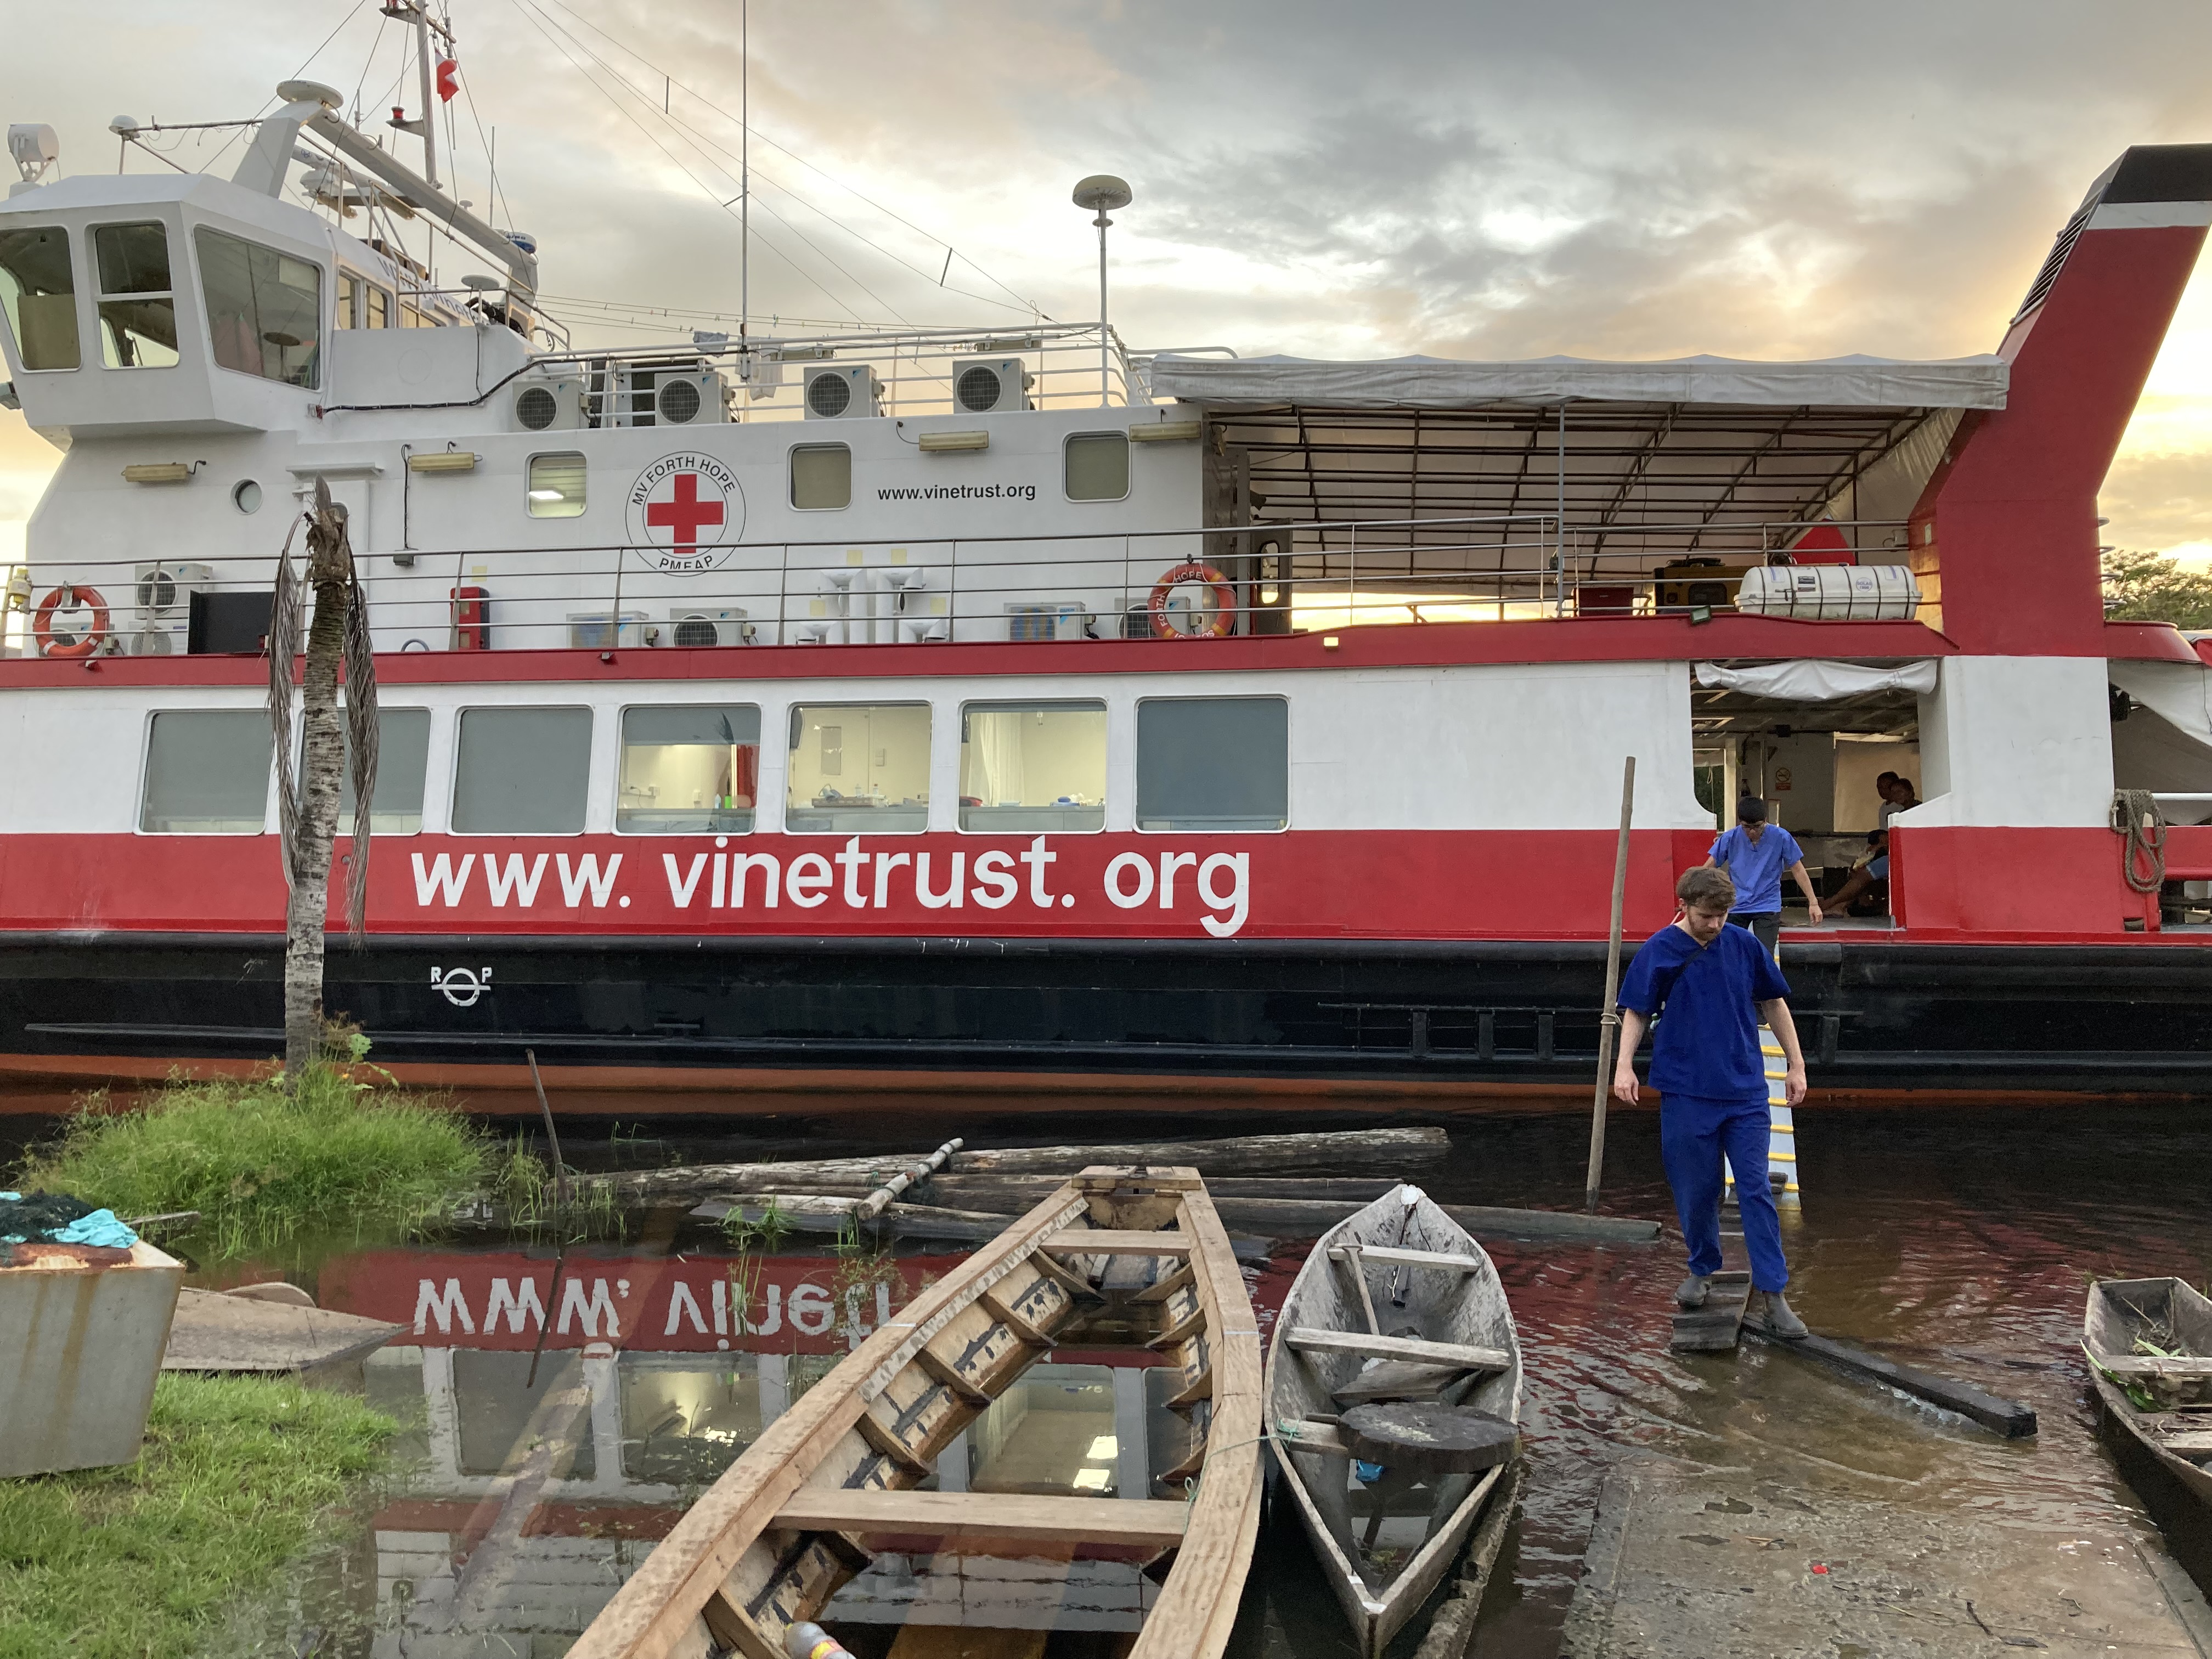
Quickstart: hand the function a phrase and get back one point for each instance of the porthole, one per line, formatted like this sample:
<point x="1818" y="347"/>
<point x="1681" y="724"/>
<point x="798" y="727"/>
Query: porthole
<point x="245" y="496"/>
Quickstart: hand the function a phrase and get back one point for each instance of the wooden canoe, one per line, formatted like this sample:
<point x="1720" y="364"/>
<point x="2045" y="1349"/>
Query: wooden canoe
<point x="1395" y="1304"/>
<point x="1115" y="1255"/>
<point x="2126" y="1319"/>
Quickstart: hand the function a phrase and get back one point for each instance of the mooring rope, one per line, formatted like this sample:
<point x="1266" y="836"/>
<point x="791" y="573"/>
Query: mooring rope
<point x="2142" y="827"/>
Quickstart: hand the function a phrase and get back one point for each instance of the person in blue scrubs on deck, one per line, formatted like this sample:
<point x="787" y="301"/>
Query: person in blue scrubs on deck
<point x="1714" y="984"/>
<point x="1755" y="853"/>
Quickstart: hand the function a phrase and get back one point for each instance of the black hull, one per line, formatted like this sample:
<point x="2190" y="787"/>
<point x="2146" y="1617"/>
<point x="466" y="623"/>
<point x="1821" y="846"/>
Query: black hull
<point x="1876" y="1017"/>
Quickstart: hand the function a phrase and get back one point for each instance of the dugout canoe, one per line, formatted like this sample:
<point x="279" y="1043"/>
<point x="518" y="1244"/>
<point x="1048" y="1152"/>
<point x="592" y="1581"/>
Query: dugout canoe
<point x="2150" y="1343"/>
<point x="1114" y="1255"/>
<point x="1396" y="1304"/>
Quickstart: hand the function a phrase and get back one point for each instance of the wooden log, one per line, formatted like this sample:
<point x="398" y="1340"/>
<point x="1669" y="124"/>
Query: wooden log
<point x="822" y="1213"/>
<point x="1305" y="1340"/>
<point x="1128" y="1523"/>
<point x="2012" y="1418"/>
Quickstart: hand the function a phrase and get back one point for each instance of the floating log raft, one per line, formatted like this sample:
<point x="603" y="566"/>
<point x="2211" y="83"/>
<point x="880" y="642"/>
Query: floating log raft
<point x="1389" y="1150"/>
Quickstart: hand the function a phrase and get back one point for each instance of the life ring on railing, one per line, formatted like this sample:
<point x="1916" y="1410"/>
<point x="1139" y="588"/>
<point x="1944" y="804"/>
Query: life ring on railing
<point x="1225" y="603"/>
<point x="72" y="598"/>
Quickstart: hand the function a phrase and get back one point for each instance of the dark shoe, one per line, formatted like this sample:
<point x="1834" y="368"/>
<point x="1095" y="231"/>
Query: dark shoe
<point x="1769" y="1312"/>
<point x="1693" y="1291"/>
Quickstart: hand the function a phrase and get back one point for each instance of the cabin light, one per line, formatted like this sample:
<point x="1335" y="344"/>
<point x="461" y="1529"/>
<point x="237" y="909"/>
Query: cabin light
<point x="1165" y="431"/>
<point x="1329" y="641"/>
<point x="157" y="473"/>
<point x="444" y="460"/>
<point x="939" y="443"/>
<point x="547" y="495"/>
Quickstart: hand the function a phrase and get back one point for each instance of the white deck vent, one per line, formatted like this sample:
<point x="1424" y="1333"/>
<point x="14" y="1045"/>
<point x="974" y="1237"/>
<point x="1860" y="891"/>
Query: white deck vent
<point x="702" y="399"/>
<point x="548" y="406"/>
<point x="843" y="392"/>
<point x="989" y="386"/>
<point x="696" y="628"/>
<point x="161" y="607"/>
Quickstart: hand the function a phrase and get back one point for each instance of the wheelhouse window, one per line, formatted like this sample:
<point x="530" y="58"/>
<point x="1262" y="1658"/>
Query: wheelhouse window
<point x="1027" y="768"/>
<point x="38" y="287"/>
<point x="1099" y="466"/>
<point x="556" y="488"/>
<point x="362" y="304"/>
<point x="522" y="771"/>
<point x="859" y="768"/>
<point x="821" y="477"/>
<point x="207" y="773"/>
<point x="689" y="770"/>
<point x="403" y="760"/>
<point x="264" y="308"/>
<point x="138" y="309"/>
<point x="1213" y="763"/>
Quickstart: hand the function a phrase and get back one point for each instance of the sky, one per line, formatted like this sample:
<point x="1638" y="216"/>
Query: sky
<point x="1601" y="178"/>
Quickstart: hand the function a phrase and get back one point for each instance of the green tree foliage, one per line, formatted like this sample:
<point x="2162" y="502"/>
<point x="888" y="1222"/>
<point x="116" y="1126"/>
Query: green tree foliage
<point x="2143" y="587"/>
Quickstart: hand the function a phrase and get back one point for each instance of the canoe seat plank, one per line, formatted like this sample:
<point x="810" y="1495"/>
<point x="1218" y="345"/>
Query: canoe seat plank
<point x="1307" y="1340"/>
<point x="1397" y="1379"/>
<point x="1160" y="1289"/>
<point x="1396" y="1258"/>
<point x="1128" y="1523"/>
<point x="886" y="1443"/>
<point x="1311" y="1435"/>
<point x="2145" y="1366"/>
<point x="2193" y="1444"/>
<point x="1108" y="1241"/>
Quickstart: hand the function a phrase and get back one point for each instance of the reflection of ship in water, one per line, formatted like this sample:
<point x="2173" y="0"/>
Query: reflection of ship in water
<point x="533" y="1498"/>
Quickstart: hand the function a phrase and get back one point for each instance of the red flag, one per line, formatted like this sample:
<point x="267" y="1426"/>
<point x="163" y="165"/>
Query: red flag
<point x="449" y="79"/>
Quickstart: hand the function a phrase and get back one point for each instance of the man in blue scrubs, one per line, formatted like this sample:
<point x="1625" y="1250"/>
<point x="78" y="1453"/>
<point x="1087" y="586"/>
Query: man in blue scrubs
<point x="1755" y="853"/>
<point x="1715" y="983"/>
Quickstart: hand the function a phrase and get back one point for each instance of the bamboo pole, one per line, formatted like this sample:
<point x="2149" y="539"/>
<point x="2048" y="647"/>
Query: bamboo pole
<point x="1609" y="1024"/>
<point x="874" y="1204"/>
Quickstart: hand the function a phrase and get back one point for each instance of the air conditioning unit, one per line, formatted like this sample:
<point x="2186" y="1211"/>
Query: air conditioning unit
<point x="842" y="392"/>
<point x="599" y="630"/>
<point x="705" y="628"/>
<point x="701" y="397"/>
<point x="547" y="404"/>
<point x="986" y="385"/>
<point x="1056" y="619"/>
<point x="162" y="607"/>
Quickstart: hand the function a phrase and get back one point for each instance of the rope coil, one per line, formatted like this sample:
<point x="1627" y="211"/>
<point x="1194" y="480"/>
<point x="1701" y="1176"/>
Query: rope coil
<point x="2141" y="827"/>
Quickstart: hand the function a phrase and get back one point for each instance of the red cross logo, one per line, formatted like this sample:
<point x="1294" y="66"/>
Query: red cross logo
<point x="686" y="514"/>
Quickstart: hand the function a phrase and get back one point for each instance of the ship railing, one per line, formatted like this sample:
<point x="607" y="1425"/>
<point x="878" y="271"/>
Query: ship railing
<point x="1261" y="579"/>
<point x="764" y="376"/>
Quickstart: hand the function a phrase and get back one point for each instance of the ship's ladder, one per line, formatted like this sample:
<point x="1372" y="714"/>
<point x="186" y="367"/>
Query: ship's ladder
<point x="1782" y="1128"/>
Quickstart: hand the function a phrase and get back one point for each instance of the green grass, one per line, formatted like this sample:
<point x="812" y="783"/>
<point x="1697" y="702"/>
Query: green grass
<point x="238" y="1475"/>
<point x="263" y="1167"/>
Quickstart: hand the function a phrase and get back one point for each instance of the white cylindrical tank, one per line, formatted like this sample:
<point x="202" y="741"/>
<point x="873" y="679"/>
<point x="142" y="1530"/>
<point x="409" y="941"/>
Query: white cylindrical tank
<point x="1830" y="592"/>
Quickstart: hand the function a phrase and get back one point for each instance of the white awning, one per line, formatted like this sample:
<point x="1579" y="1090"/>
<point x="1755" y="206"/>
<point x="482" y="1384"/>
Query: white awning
<point x="2165" y="744"/>
<point x="1814" y="681"/>
<point x="1855" y="382"/>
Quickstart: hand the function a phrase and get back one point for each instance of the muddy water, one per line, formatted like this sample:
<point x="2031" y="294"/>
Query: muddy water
<point x="1960" y="1240"/>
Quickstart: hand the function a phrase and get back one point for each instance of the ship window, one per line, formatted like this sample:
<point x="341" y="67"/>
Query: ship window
<point x="686" y="1417"/>
<point x="40" y="292"/>
<point x="207" y="773"/>
<point x="137" y="311"/>
<point x="503" y="1399"/>
<point x="557" y="486"/>
<point x="351" y="290"/>
<point x="522" y="771"/>
<point x="379" y="309"/>
<point x="690" y="770"/>
<point x="264" y="308"/>
<point x="1099" y="466"/>
<point x="1213" y="763"/>
<point x="403" y="759"/>
<point x="821" y="476"/>
<point x="1026" y="768"/>
<point x="859" y="768"/>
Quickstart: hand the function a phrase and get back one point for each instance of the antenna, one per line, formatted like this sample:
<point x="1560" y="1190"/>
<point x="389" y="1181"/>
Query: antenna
<point x="1102" y="191"/>
<point x="744" y="177"/>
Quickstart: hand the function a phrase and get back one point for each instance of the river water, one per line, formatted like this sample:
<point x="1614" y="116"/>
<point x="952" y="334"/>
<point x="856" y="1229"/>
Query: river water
<point x="1959" y="1239"/>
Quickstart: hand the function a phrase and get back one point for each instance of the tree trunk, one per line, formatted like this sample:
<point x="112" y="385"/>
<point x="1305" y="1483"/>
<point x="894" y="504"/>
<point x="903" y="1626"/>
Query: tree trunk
<point x="322" y="764"/>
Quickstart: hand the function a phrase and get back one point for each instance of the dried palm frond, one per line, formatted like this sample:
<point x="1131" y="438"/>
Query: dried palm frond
<point x="284" y="646"/>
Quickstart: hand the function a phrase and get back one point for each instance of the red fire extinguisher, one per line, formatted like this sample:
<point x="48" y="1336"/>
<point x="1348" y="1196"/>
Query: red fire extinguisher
<point x="471" y="618"/>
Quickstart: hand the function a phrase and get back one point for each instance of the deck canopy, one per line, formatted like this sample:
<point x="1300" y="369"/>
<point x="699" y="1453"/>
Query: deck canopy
<point x="1695" y="456"/>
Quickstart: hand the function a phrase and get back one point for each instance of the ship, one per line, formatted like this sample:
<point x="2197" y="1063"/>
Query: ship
<point x="1014" y="708"/>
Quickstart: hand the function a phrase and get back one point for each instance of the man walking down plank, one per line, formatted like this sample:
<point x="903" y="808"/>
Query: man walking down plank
<point x="1715" y="983"/>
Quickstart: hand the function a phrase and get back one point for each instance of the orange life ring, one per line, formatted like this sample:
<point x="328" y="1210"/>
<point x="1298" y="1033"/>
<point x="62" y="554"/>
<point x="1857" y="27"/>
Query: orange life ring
<point x="42" y="626"/>
<point x="1225" y="596"/>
